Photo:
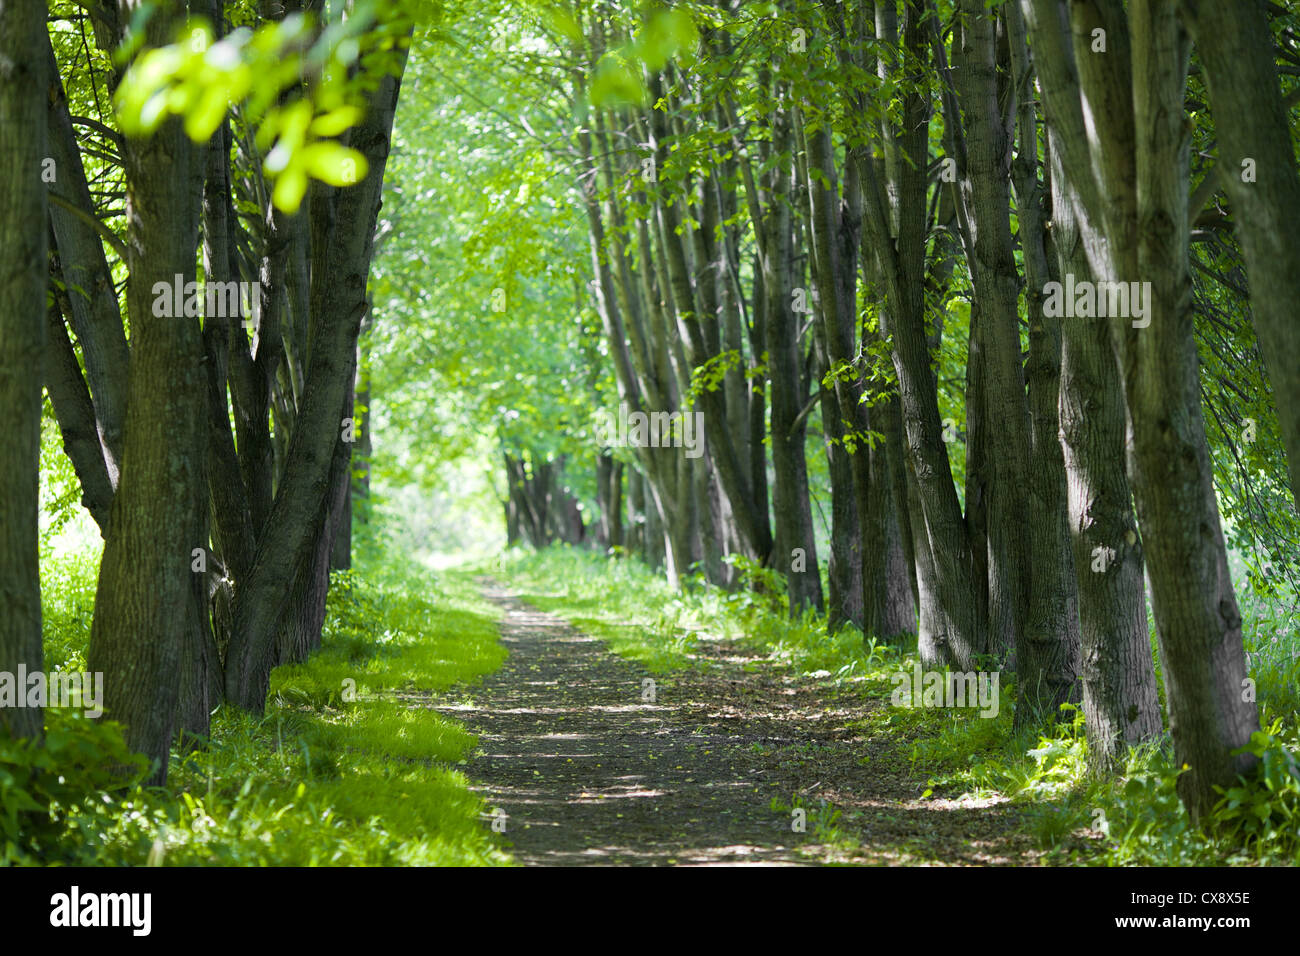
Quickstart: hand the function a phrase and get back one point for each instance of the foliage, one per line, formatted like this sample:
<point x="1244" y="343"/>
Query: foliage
<point x="199" y="76"/>
<point x="1265" y="809"/>
<point x="52" y="794"/>
<point x="324" y="778"/>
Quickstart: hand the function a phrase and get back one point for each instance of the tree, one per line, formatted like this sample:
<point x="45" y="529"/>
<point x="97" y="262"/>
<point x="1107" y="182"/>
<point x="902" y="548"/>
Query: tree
<point x="1257" y="169"/>
<point x="142" y="622"/>
<point x="1119" y="687"/>
<point x="24" y="174"/>
<point x="188" y="172"/>
<point x="1132" y="69"/>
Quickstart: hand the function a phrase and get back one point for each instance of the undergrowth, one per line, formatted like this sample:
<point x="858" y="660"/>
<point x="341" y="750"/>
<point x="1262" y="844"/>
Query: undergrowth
<point x="348" y="766"/>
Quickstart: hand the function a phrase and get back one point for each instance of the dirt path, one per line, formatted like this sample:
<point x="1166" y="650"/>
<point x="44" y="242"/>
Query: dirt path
<point x="589" y="770"/>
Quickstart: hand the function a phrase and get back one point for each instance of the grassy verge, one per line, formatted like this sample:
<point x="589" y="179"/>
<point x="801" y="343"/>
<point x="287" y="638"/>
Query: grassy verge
<point x="349" y="765"/>
<point x="619" y="602"/>
<point x="1076" y="818"/>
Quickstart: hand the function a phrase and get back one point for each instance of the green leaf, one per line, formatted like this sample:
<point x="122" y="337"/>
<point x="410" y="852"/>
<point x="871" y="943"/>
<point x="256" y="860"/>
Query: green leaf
<point x="615" y="83"/>
<point x="336" y="121"/>
<point x="289" y="189"/>
<point x="334" y="163"/>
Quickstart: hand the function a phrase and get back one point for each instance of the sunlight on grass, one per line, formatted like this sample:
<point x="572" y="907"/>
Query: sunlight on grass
<point x="349" y="765"/>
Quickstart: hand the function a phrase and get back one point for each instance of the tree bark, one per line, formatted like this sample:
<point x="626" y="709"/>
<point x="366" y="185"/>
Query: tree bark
<point x="1197" y="620"/>
<point x="23" y="238"/>
<point x="1252" y="123"/>
<point x="795" y="550"/>
<point x="952" y="626"/>
<point x="1047" y="656"/>
<point x="339" y="302"/>
<point x="1119" y="688"/>
<point x="847" y="452"/>
<point x="984" y="159"/>
<point x="146" y="579"/>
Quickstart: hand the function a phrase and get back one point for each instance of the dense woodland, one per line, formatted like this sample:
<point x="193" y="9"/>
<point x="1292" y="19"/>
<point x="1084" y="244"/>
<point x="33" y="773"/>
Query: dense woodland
<point x="967" y="327"/>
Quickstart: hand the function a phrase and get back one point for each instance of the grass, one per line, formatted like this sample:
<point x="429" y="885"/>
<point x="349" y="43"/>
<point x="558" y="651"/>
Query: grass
<point x="1076" y="817"/>
<point x="348" y="766"/>
<point x="619" y="602"/>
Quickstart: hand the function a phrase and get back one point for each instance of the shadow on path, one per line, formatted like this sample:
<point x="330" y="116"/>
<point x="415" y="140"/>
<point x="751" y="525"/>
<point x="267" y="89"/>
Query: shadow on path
<point x="592" y="765"/>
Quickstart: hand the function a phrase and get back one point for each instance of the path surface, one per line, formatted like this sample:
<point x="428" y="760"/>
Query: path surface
<point x="588" y="770"/>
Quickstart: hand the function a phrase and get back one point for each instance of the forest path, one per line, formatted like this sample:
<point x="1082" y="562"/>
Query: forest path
<point x="588" y="770"/>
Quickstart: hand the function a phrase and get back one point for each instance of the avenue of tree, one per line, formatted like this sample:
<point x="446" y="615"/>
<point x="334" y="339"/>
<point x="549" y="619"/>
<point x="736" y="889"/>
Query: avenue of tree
<point x="830" y="228"/>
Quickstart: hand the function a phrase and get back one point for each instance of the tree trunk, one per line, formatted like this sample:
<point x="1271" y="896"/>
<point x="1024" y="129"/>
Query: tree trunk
<point x="1254" y="130"/>
<point x="143" y="617"/>
<point x="339" y="303"/>
<point x="1119" y="682"/>
<point x="1002" y="404"/>
<point x="1047" y="656"/>
<point x="1093" y="241"/>
<point x="795" y="551"/>
<point x="22" y="343"/>
<point x="846" y="453"/>
<point x="1049" y="641"/>
<point x="1197" y="621"/>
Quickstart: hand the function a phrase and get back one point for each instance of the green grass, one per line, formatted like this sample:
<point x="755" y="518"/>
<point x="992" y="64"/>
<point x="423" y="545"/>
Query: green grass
<point x="67" y="607"/>
<point x="349" y="766"/>
<point x="619" y="602"/>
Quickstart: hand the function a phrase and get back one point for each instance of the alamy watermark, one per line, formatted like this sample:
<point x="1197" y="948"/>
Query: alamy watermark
<point x="72" y="689"/>
<point x="213" y="300"/>
<point x="74" y="909"/>
<point x="946" y="689"/>
<point x="1088" y="300"/>
<point x="653" y="430"/>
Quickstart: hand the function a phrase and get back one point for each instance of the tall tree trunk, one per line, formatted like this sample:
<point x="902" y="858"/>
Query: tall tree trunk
<point x="1119" y="683"/>
<point x="339" y="300"/>
<point x="1119" y="687"/>
<point x="1197" y="620"/>
<point x="146" y="580"/>
<point x="952" y="626"/>
<point x="22" y="343"/>
<point x="1001" y="402"/>
<point x="846" y="452"/>
<point x="795" y="551"/>
<point x="1258" y="172"/>
<point x="1047" y="656"/>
